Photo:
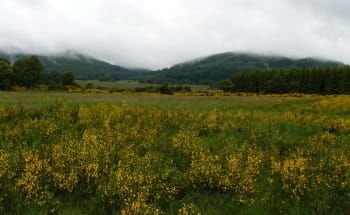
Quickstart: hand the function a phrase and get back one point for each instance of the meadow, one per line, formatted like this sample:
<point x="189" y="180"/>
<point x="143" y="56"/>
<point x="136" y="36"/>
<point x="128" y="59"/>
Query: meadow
<point x="74" y="153"/>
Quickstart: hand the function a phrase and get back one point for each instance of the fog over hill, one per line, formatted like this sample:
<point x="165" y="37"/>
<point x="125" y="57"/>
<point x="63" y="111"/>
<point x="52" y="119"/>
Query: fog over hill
<point x="84" y="67"/>
<point x="217" y="67"/>
<point x="204" y="70"/>
<point x="155" y="34"/>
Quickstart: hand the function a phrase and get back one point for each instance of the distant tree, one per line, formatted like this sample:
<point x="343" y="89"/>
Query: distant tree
<point x="54" y="81"/>
<point x="28" y="71"/>
<point x="293" y="87"/>
<point x="89" y="85"/>
<point x="310" y="80"/>
<point x="178" y="88"/>
<point x="6" y="74"/>
<point x="226" y="86"/>
<point x="166" y="89"/>
<point x="187" y="89"/>
<point x="68" y="78"/>
<point x="276" y="85"/>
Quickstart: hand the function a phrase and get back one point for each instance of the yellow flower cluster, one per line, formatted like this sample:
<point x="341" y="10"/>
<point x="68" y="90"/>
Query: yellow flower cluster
<point x="293" y="173"/>
<point x="189" y="209"/>
<point x="29" y="184"/>
<point x="130" y="159"/>
<point x="3" y="175"/>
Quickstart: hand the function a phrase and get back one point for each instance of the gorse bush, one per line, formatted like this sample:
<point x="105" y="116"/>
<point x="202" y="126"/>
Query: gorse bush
<point x="131" y="159"/>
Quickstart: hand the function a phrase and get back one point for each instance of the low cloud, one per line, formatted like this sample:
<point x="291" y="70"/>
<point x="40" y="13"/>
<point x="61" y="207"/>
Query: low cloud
<point x="158" y="33"/>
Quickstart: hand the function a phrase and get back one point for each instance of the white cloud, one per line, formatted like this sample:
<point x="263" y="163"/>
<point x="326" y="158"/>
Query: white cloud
<point x="159" y="33"/>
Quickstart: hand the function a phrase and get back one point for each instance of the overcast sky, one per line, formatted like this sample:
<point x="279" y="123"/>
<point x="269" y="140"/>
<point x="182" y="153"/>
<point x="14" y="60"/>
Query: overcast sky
<point x="159" y="33"/>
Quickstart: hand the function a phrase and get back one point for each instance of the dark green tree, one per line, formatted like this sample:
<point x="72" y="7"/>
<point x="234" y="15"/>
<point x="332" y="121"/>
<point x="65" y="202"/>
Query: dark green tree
<point x="54" y="81"/>
<point x="166" y="89"/>
<point x="276" y="84"/>
<point x="187" y="89"/>
<point x="6" y="75"/>
<point x="226" y="86"/>
<point x="89" y="85"/>
<point x="28" y="71"/>
<point x="311" y="80"/>
<point x="68" y="78"/>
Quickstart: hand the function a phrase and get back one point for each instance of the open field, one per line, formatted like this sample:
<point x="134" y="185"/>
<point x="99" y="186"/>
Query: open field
<point x="191" y="102"/>
<point x="153" y="154"/>
<point x="129" y="85"/>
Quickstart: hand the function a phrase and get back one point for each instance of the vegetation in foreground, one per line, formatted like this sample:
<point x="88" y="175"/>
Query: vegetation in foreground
<point x="250" y="155"/>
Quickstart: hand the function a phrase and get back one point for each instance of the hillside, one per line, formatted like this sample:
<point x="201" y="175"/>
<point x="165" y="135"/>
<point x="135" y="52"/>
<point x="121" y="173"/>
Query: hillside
<point x="222" y="66"/>
<point x="84" y="67"/>
<point x="207" y="70"/>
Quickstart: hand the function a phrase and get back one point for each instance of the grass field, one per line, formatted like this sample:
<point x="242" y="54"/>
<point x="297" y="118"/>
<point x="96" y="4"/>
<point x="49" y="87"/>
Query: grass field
<point x="129" y="85"/>
<point x="64" y="153"/>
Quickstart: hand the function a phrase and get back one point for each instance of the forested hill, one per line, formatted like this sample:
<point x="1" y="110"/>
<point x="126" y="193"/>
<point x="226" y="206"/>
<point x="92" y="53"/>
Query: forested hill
<point x="222" y="66"/>
<point x="83" y="67"/>
<point x="206" y="70"/>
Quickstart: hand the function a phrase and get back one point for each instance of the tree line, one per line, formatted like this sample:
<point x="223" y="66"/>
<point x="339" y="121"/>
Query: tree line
<point x="308" y="80"/>
<point x="28" y="72"/>
<point x="165" y="88"/>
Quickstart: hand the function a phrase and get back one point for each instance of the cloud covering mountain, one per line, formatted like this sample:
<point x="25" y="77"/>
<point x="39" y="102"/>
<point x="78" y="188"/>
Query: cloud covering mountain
<point x="160" y="33"/>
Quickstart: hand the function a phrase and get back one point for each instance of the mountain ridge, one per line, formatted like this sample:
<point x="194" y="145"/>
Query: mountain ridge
<point x="84" y="67"/>
<point x="204" y="70"/>
<point x="214" y="68"/>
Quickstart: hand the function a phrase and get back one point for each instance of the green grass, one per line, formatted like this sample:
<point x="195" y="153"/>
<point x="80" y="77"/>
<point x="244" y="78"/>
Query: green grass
<point x="192" y="103"/>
